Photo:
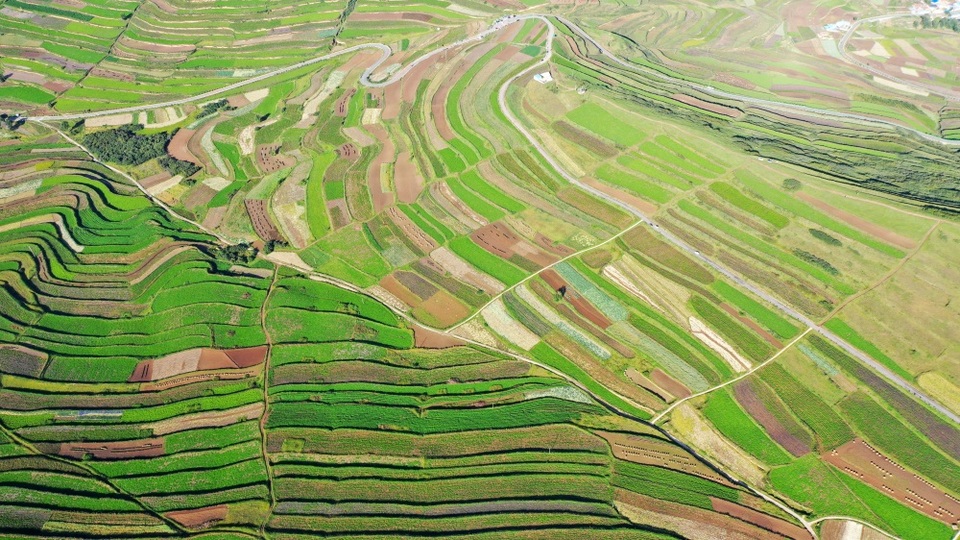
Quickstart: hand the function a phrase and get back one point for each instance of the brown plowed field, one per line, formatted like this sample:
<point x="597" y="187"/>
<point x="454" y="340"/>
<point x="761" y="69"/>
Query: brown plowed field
<point x="348" y="151"/>
<point x="553" y="279"/>
<point x="422" y="240"/>
<point x="342" y="106"/>
<point x="260" y="218"/>
<point x="859" y="223"/>
<point x="498" y="239"/>
<point x="555" y="248"/>
<point x="178" y="146"/>
<point x="581" y="304"/>
<point x="657" y="452"/>
<point x="114" y="450"/>
<point x="439" y="103"/>
<point x="411" y="81"/>
<point x="199" y="518"/>
<point x="707" y="106"/>
<point x="409" y="183"/>
<point x="445" y="308"/>
<point x="391" y="101"/>
<point x="428" y="339"/>
<point x="860" y="460"/>
<point x="394" y="287"/>
<point x="270" y="160"/>
<point x="669" y="384"/>
<point x="154" y="180"/>
<point x="647" y="384"/>
<point x="192" y="360"/>
<point x="381" y="198"/>
<point x="771" y="339"/>
<point x="764" y="521"/>
<point x="749" y="400"/>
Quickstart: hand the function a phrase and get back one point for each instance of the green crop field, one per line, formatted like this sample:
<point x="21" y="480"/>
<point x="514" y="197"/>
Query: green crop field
<point x="363" y="269"/>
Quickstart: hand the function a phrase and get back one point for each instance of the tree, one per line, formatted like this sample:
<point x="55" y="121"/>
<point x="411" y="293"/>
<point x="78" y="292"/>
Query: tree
<point x="791" y="184"/>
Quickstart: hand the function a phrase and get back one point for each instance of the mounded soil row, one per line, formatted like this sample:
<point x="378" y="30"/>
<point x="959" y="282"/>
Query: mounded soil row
<point x="750" y="401"/>
<point x="429" y="339"/>
<point x="114" y="450"/>
<point x="260" y="218"/>
<point x="669" y="384"/>
<point x="764" y="521"/>
<point x="862" y="461"/>
<point x="199" y="518"/>
<point x="650" y="451"/>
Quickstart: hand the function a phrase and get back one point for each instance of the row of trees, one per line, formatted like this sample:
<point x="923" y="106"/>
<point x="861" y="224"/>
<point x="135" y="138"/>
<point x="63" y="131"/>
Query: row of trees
<point x="927" y="21"/>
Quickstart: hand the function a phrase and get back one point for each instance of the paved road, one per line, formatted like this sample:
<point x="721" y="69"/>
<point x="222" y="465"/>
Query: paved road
<point x="673" y="239"/>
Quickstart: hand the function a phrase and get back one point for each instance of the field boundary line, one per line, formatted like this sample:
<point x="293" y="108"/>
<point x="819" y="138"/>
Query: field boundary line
<point x="537" y="273"/>
<point x="266" y="400"/>
<point x="735" y="379"/>
<point x="883" y="279"/>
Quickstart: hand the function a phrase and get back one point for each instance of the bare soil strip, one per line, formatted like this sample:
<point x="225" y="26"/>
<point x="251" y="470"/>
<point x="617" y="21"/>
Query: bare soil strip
<point x="859" y="223"/>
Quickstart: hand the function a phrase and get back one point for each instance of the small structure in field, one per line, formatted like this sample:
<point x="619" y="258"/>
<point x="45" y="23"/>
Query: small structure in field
<point x="543" y="78"/>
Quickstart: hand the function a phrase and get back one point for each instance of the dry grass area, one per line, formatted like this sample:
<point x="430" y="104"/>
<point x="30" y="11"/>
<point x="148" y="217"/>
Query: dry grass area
<point x="688" y="424"/>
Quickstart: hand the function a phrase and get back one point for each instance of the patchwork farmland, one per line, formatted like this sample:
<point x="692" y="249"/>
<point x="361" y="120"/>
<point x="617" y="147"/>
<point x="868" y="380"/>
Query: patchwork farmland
<point x="409" y="290"/>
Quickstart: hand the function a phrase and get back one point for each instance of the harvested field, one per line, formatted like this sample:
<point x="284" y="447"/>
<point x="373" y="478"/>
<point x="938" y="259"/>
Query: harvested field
<point x="455" y="207"/>
<point x="644" y="206"/>
<point x="342" y="105"/>
<point x="422" y="240"/>
<point x="719" y="345"/>
<point x="446" y="309"/>
<point x="502" y="323"/>
<point x="556" y="248"/>
<point x="669" y="384"/>
<point x="197" y="360"/>
<point x="206" y="419"/>
<point x="260" y="218"/>
<point x="407" y="179"/>
<point x="429" y="339"/>
<point x="109" y="120"/>
<point x="584" y="139"/>
<point x="348" y="151"/>
<point x="269" y="158"/>
<point x="199" y="518"/>
<point x="858" y="222"/>
<point x="647" y="384"/>
<point x="394" y="287"/>
<point x="729" y="112"/>
<point x="751" y="403"/>
<point x="618" y="276"/>
<point x="114" y="450"/>
<point x="764" y="521"/>
<point x="358" y="136"/>
<point x="689" y="425"/>
<point x="375" y="172"/>
<point x="151" y="182"/>
<point x="461" y="270"/>
<point x="650" y="451"/>
<point x="498" y="239"/>
<point x="690" y="522"/>
<point x="411" y="81"/>
<point x="416" y="284"/>
<point x="863" y="462"/>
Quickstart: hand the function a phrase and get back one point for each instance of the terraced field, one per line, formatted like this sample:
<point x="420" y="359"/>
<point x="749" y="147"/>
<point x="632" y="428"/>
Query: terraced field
<point x="425" y="294"/>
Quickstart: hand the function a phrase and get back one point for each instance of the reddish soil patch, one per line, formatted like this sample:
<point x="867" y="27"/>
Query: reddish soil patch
<point x="407" y="178"/>
<point x="750" y="401"/>
<point x="151" y="181"/>
<point x="165" y="6"/>
<point x="581" y="138"/>
<point x="669" y="384"/>
<point x="391" y="101"/>
<point x="753" y="325"/>
<point x="269" y="158"/>
<point x="198" y="360"/>
<point x="646" y="207"/>
<point x="348" y="151"/>
<point x="581" y="304"/>
<point x="439" y="103"/>
<point x="411" y="81"/>
<point x="238" y="101"/>
<point x="553" y="279"/>
<point x="413" y="233"/>
<point x="707" y="106"/>
<point x="199" y="517"/>
<point x="859" y="223"/>
<point x="647" y="384"/>
<point x="114" y="450"/>
<point x="498" y="239"/>
<point x="551" y="246"/>
<point x="57" y="86"/>
<point x="394" y="287"/>
<point x="429" y="339"/>
<point x="260" y="218"/>
<point x="342" y="106"/>
<point x="733" y="80"/>
<point x="860" y="460"/>
<point x="764" y="521"/>
<point x="445" y="308"/>
<point x="507" y="53"/>
<point x="200" y="196"/>
<point x="115" y="75"/>
<point x="178" y="146"/>
<point x="381" y="198"/>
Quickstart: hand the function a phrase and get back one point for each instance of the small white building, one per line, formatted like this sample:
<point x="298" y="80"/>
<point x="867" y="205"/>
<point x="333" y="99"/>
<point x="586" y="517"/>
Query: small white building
<point x="543" y="78"/>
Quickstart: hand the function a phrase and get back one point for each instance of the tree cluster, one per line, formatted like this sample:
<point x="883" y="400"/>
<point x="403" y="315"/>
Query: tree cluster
<point x="242" y="253"/>
<point x="125" y="146"/>
<point x="176" y="166"/>
<point x="940" y="22"/>
<point x="213" y="107"/>
<point x="12" y="121"/>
